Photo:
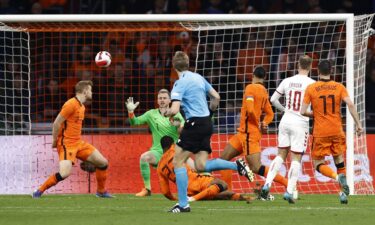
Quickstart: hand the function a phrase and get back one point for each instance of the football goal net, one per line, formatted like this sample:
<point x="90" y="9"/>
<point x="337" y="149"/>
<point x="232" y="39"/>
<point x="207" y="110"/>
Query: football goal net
<point x="43" y="56"/>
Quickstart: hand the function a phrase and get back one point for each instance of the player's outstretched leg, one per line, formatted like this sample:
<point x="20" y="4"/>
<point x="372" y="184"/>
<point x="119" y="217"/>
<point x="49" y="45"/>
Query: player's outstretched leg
<point x="148" y="158"/>
<point x="264" y="192"/>
<point x="101" y="165"/>
<point x="178" y="209"/>
<point x="244" y="170"/>
<point x="274" y="169"/>
<point x="343" y="184"/>
<point x="344" y="189"/>
<point x="343" y="198"/>
<point x="288" y="197"/>
<point x="50" y="182"/>
<point x="65" y="167"/>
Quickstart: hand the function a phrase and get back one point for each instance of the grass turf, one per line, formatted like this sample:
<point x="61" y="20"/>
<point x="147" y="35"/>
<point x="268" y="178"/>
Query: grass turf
<point x="127" y="209"/>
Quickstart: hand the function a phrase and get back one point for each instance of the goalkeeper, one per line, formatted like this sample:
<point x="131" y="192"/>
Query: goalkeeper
<point x="160" y="126"/>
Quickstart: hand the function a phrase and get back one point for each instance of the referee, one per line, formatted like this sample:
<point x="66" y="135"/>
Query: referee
<point x="190" y="92"/>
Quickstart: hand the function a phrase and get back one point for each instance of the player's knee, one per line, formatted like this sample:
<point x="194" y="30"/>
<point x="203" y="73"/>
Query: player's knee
<point x="64" y="173"/>
<point x="200" y="166"/>
<point x="146" y="158"/>
<point x="177" y="163"/>
<point x="103" y="165"/>
<point x="225" y="156"/>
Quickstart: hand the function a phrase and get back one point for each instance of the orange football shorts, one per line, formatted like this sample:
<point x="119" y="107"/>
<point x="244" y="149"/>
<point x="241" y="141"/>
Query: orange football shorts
<point x="245" y="143"/>
<point x="324" y="146"/>
<point x="81" y="150"/>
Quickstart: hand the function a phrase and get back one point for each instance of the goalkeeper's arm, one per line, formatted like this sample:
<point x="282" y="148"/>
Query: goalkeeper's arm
<point x="131" y="106"/>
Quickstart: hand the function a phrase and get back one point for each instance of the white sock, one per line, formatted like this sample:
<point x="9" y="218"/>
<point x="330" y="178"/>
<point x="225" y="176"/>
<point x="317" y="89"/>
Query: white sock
<point x="273" y="170"/>
<point x="293" y="174"/>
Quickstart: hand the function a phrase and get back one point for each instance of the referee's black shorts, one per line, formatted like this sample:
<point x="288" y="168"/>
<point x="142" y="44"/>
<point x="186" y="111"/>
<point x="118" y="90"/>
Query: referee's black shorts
<point x="196" y="135"/>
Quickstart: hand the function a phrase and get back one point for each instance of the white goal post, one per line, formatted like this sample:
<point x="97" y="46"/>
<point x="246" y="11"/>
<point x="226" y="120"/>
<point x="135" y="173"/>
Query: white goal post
<point x="211" y="30"/>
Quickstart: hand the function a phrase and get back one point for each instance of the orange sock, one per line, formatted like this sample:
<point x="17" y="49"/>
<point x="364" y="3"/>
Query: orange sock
<point x="341" y="170"/>
<point x="278" y="178"/>
<point x="226" y="175"/>
<point x="51" y="181"/>
<point x="101" y="177"/>
<point x="327" y="171"/>
<point x="208" y="193"/>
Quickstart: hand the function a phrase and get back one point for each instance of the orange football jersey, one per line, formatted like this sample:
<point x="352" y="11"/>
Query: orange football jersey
<point x="255" y="101"/>
<point x="74" y="113"/>
<point x="325" y="98"/>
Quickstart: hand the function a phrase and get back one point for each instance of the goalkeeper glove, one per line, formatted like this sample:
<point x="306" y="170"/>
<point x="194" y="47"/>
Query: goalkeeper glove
<point x="130" y="105"/>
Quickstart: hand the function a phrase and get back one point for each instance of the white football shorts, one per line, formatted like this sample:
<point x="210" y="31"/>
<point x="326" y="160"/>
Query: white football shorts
<point x="295" y="136"/>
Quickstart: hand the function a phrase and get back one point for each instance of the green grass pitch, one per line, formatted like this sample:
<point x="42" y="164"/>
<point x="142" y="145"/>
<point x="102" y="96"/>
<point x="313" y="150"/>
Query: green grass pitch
<point x="127" y="209"/>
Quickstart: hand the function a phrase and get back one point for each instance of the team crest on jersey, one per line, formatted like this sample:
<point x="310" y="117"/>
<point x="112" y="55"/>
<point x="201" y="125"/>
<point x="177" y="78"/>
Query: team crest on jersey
<point x="249" y="98"/>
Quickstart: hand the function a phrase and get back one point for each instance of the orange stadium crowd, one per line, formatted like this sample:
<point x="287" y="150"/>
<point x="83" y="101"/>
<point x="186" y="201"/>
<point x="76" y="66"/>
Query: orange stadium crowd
<point x="141" y="61"/>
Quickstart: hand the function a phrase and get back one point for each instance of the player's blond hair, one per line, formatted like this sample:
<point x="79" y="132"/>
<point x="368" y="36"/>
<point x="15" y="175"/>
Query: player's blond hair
<point x="82" y="85"/>
<point x="180" y="61"/>
<point x="164" y="91"/>
<point x="305" y="62"/>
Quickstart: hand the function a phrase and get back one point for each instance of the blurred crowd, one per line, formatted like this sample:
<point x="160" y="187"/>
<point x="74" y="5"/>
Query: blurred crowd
<point x="141" y="61"/>
<point x="185" y="6"/>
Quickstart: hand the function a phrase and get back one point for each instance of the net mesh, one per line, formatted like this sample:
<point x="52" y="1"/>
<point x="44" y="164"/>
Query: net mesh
<point x="362" y="26"/>
<point x="227" y="56"/>
<point x="45" y="60"/>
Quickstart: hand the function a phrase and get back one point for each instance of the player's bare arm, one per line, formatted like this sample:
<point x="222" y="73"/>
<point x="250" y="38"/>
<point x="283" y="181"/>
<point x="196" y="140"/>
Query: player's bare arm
<point x="354" y="113"/>
<point x="214" y="99"/>
<point x="174" y="109"/>
<point x="268" y="116"/>
<point x="55" y="129"/>
<point x="164" y="187"/>
<point x="304" y="111"/>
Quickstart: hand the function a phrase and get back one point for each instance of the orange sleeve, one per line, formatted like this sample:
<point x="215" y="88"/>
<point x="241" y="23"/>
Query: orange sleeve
<point x="249" y="101"/>
<point x="164" y="186"/>
<point x="307" y="97"/>
<point x="268" y="111"/>
<point x="67" y="110"/>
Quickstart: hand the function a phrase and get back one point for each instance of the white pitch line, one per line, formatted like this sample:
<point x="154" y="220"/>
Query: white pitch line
<point x="250" y="208"/>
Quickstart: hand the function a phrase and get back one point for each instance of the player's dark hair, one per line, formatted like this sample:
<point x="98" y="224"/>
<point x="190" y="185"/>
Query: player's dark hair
<point x="166" y="142"/>
<point x="82" y="85"/>
<point x="259" y="72"/>
<point x="164" y="91"/>
<point x="180" y="61"/>
<point x="305" y="62"/>
<point x="324" y="67"/>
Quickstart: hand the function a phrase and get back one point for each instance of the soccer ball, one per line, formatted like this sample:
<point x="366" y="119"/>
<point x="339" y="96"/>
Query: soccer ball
<point x="103" y="59"/>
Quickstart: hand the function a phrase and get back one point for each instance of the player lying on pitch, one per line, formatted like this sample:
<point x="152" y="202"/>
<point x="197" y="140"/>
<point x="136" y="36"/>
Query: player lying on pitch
<point x="200" y="187"/>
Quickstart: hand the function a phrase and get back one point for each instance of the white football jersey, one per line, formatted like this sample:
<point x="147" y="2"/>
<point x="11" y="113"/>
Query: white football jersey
<point x="294" y="90"/>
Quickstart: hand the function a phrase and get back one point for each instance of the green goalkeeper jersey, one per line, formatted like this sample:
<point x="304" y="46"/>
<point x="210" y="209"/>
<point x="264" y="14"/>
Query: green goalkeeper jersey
<point x="160" y="126"/>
